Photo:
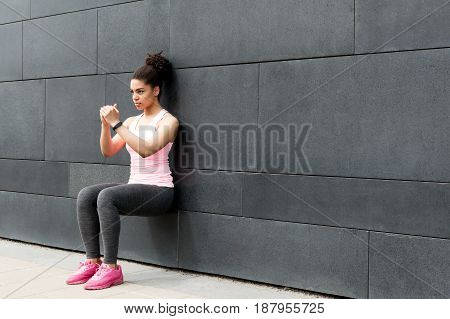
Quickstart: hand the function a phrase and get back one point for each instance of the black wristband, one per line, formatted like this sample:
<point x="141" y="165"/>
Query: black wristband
<point x="117" y="126"/>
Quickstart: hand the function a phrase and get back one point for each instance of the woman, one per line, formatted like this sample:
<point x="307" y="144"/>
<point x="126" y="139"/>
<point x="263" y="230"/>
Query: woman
<point x="148" y="138"/>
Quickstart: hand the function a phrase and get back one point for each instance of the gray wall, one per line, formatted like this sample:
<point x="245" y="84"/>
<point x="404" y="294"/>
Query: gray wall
<point x="369" y="220"/>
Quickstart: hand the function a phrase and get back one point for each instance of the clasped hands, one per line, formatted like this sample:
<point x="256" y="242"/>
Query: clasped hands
<point x="109" y="115"/>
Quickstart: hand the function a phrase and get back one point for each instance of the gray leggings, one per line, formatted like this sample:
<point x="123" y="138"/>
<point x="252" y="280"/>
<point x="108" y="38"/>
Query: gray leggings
<point x="99" y="207"/>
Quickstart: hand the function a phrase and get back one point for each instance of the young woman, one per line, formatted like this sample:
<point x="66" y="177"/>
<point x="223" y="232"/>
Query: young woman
<point x="148" y="138"/>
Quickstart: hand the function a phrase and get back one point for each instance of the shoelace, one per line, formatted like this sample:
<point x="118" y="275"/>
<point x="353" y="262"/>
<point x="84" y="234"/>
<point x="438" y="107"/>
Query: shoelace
<point x="102" y="271"/>
<point x="82" y="266"/>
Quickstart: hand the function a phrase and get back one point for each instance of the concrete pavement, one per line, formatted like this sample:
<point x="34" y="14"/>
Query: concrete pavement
<point x="33" y="271"/>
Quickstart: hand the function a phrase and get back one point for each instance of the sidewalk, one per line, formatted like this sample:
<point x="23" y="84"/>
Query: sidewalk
<point x="27" y="271"/>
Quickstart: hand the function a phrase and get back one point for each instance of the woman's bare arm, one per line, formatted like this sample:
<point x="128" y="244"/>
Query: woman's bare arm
<point x="110" y="146"/>
<point x="166" y="132"/>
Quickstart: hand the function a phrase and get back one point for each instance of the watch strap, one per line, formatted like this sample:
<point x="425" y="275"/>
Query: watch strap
<point x="117" y="126"/>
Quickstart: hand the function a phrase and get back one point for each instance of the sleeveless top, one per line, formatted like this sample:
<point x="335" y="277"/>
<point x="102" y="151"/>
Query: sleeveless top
<point x="154" y="169"/>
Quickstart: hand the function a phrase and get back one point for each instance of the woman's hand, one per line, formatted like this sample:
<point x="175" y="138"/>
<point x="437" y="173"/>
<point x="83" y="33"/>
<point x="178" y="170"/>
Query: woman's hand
<point x="104" y="122"/>
<point x="109" y="114"/>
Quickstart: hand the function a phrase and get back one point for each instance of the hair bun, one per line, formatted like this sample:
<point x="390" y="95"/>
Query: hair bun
<point x="159" y="63"/>
<point x="156" y="71"/>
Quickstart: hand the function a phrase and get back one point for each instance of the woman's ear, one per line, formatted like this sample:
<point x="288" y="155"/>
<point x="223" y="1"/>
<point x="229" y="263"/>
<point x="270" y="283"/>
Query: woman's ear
<point x="156" y="91"/>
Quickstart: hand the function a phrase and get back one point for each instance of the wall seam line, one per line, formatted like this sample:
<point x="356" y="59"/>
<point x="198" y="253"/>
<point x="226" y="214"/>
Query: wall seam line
<point x="321" y="57"/>
<point x="96" y="65"/>
<point x="354" y="26"/>
<point x="73" y="11"/>
<point x="169" y="18"/>
<point x="237" y="64"/>
<point x="45" y="111"/>
<point x="316" y="225"/>
<point x="259" y="84"/>
<point x="257" y="218"/>
<point x="104" y="95"/>
<point x="368" y="266"/>
<point x="22" y="51"/>
<point x="242" y="195"/>
<point x="242" y="172"/>
<point x="178" y="239"/>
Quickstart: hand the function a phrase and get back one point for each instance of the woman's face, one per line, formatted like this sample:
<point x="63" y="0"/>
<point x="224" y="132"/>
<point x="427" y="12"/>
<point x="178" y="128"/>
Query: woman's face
<point x="142" y="94"/>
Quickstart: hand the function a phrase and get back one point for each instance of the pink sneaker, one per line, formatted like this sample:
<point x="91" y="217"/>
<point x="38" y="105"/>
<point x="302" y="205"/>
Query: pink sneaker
<point x="105" y="277"/>
<point x="86" y="270"/>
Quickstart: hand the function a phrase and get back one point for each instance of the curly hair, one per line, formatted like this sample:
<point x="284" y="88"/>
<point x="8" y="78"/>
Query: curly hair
<point x="155" y="71"/>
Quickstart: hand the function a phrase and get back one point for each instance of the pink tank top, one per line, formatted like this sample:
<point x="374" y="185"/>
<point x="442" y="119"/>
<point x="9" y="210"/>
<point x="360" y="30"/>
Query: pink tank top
<point x="154" y="169"/>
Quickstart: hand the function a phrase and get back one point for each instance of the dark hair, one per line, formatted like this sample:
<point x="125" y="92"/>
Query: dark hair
<point x="155" y="71"/>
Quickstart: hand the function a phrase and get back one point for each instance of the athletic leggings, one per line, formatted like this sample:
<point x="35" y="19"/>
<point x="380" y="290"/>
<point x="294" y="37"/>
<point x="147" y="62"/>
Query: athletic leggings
<point x="99" y="207"/>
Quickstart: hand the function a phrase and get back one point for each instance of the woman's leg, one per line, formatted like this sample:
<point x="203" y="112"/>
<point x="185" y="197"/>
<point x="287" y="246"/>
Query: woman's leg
<point x="88" y="220"/>
<point x="131" y="200"/>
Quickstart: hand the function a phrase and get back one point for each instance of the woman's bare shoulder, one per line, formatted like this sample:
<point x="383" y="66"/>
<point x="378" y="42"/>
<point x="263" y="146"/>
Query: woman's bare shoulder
<point x="169" y="117"/>
<point x="168" y="120"/>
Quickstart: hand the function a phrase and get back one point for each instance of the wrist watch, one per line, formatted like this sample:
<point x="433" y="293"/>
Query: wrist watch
<point x="117" y="126"/>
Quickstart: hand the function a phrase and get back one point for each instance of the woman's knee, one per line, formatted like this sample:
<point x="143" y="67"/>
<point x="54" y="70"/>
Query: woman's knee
<point x="105" y="198"/>
<point x="86" y="196"/>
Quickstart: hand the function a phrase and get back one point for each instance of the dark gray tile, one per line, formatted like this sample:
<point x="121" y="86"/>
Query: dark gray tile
<point x="126" y="33"/>
<point x="150" y="239"/>
<point x="214" y="106"/>
<point x="41" y="8"/>
<point x="60" y="45"/>
<point x="316" y="258"/>
<point x="118" y="91"/>
<point x="11" y="52"/>
<point x="209" y="191"/>
<point x="22" y="120"/>
<point x="225" y="94"/>
<point x="401" y="25"/>
<point x="36" y="177"/>
<point x="14" y="10"/>
<point x="408" y="267"/>
<point x="72" y="125"/>
<point x="205" y="32"/>
<point x="417" y="208"/>
<point x="213" y="146"/>
<point x="82" y="175"/>
<point x="40" y="219"/>
<point x="383" y="115"/>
